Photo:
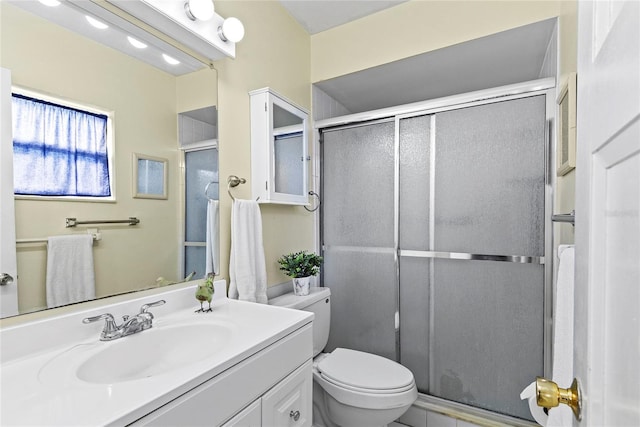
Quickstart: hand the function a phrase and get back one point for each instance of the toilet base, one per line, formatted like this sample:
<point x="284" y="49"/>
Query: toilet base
<point x="328" y="412"/>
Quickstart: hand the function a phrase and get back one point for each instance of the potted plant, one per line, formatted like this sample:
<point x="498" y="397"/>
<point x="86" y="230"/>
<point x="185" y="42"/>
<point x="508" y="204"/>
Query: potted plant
<point x="300" y="266"/>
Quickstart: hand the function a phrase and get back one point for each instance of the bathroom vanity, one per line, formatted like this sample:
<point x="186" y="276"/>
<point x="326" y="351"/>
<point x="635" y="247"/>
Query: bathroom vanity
<point x="241" y="364"/>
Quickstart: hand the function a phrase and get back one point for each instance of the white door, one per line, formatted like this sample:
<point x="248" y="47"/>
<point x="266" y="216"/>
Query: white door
<point x="607" y="297"/>
<point x="8" y="270"/>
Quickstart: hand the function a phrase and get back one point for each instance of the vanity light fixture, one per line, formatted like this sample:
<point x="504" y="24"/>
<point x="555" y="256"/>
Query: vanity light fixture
<point x="95" y="23"/>
<point x="231" y="30"/>
<point x="170" y="60"/>
<point x="50" y="3"/>
<point x="199" y="9"/>
<point x="136" y="43"/>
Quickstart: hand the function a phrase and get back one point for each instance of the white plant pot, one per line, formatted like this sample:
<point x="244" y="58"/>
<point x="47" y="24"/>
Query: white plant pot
<point x="301" y="285"/>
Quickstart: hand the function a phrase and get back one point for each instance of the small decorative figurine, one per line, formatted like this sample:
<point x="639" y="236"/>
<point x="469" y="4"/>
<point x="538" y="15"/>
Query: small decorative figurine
<point x="205" y="293"/>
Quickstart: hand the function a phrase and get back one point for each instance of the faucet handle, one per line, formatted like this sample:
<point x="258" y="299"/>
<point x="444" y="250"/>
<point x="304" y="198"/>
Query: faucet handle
<point x="109" y="324"/>
<point x="147" y="306"/>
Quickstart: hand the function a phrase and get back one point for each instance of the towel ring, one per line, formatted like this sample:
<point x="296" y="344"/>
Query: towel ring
<point x="206" y="189"/>
<point x="313" y="193"/>
<point x="234" y="181"/>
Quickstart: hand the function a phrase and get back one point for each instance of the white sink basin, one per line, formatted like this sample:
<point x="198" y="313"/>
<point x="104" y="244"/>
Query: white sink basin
<point x="152" y="352"/>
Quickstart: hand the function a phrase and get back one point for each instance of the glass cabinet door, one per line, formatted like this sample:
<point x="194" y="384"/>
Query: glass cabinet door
<point x="279" y="160"/>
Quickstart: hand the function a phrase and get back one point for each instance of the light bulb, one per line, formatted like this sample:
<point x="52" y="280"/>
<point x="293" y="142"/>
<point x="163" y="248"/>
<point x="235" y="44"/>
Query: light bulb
<point x="199" y="9"/>
<point x="95" y="23"/>
<point x="231" y="30"/>
<point x="136" y="43"/>
<point x="170" y="60"/>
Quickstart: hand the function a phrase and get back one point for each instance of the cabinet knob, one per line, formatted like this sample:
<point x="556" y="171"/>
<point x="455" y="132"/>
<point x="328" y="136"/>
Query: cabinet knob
<point x="295" y="415"/>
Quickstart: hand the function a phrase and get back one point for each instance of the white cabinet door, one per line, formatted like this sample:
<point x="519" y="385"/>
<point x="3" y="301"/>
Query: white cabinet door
<point x="607" y="294"/>
<point x="279" y="159"/>
<point x="251" y="416"/>
<point x="8" y="265"/>
<point x="289" y="404"/>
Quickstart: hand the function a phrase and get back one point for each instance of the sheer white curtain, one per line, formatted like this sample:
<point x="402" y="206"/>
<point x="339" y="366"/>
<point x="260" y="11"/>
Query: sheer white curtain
<point x="58" y="151"/>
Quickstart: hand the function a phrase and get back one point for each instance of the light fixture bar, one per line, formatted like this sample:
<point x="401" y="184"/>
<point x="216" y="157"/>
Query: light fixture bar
<point x="200" y="36"/>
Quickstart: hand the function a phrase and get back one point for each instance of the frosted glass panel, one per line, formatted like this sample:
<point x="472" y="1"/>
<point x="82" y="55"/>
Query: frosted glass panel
<point x="414" y="318"/>
<point x="289" y="164"/>
<point x="194" y="260"/>
<point x="414" y="182"/>
<point x="201" y="168"/>
<point x="362" y="301"/>
<point x="358" y="186"/>
<point x="488" y="341"/>
<point x="489" y="178"/>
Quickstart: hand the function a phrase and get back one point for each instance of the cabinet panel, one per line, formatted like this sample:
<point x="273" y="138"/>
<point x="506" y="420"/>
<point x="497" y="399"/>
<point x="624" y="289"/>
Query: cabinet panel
<point x="251" y="416"/>
<point x="289" y="404"/>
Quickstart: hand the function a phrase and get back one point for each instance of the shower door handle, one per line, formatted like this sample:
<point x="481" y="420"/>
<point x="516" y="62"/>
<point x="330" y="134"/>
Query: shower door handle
<point x="5" y="279"/>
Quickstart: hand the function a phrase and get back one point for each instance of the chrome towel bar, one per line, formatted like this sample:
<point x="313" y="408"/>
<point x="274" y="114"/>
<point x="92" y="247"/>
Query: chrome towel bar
<point x="72" y="222"/>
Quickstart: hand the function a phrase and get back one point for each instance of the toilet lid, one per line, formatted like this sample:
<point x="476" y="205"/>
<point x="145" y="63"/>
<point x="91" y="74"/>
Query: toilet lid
<point x="365" y="371"/>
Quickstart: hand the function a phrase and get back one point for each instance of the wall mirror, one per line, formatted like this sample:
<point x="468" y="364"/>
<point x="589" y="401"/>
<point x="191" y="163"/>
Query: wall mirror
<point x="149" y="177"/>
<point x="566" y="153"/>
<point x="145" y="101"/>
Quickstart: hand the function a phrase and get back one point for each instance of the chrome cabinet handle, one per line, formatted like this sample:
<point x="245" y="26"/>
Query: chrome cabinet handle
<point x="295" y="415"/>
<point x="5" y="279"/>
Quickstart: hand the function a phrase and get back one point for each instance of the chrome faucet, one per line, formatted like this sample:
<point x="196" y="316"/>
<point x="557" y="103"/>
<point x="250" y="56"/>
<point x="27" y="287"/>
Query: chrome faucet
<point x="130" y="325"/>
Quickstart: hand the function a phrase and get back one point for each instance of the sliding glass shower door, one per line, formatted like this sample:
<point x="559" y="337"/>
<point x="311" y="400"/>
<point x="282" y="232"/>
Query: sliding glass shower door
<point x="434" y="240"/>
<point x="359" y="237"/>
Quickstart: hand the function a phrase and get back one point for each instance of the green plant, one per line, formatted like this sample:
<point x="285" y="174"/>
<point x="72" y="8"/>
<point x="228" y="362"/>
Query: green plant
<point x="300" y="264"/>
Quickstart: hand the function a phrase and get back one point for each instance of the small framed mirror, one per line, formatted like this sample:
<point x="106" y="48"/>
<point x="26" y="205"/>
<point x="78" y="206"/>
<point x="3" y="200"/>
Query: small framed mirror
<point x="566" y="153"/>
<point x="149" y="177"/>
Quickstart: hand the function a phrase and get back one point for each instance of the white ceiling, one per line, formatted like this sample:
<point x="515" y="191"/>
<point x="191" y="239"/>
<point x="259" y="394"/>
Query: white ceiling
<point x="319" y="15"/>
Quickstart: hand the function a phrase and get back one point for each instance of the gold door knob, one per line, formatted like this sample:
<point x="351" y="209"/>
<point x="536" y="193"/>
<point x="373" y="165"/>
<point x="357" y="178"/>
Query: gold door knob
<point x="549" y="395"/>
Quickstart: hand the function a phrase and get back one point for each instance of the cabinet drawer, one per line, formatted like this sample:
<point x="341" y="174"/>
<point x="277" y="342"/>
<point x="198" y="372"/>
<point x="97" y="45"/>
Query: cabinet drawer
<point x="289" y="404"/>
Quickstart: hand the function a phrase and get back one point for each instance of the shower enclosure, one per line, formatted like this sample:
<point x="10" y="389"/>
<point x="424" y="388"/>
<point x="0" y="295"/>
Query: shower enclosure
<point x="435" y="235"/>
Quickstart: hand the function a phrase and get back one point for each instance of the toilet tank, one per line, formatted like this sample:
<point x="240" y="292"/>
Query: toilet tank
<point x="318" y="302"/>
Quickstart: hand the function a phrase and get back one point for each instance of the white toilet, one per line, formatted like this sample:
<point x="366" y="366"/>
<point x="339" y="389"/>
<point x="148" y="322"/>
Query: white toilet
<point x="350" y="388"/>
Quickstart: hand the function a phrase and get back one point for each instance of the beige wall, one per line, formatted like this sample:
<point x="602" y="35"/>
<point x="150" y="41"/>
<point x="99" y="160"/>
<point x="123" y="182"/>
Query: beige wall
<point x="568" y="62"/>
<point x="276" y="53"/>
<point x="416" y="27"/>
<point x="47" y="58"/>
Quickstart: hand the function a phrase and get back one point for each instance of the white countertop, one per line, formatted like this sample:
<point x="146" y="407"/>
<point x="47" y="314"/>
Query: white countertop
<point x="30" y="398"/>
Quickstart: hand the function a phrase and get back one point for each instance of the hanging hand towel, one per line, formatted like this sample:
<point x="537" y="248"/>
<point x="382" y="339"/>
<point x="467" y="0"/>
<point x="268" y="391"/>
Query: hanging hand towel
<point x="70" y="276"/>
<point x="212" y="252"/>
<point x="562" y="416"/>
<point x="247" y="269"/>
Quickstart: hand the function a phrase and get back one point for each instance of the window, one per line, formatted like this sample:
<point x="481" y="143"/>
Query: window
<point x="60" y="150"/>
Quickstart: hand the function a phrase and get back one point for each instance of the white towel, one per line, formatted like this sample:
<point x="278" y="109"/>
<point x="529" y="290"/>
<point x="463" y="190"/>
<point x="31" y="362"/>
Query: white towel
<point x="247" y="269"/>
<point x="70" y="276"/>
<point x="563" y="333"/>
<point x="212" y="254"/>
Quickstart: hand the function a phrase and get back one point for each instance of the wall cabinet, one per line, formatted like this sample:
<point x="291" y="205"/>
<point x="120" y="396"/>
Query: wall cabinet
<point x="279" y="155"/>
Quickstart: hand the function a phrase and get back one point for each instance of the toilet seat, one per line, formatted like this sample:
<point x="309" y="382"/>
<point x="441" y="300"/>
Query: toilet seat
<point x="365" y="380"/>
<point x="365" y="372"/>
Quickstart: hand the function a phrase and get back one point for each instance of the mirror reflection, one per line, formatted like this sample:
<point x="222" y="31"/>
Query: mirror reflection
<point x="145" y="104"/>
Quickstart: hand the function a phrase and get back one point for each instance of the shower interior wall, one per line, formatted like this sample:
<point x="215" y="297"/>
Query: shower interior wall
<point x="402" y="192"/>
